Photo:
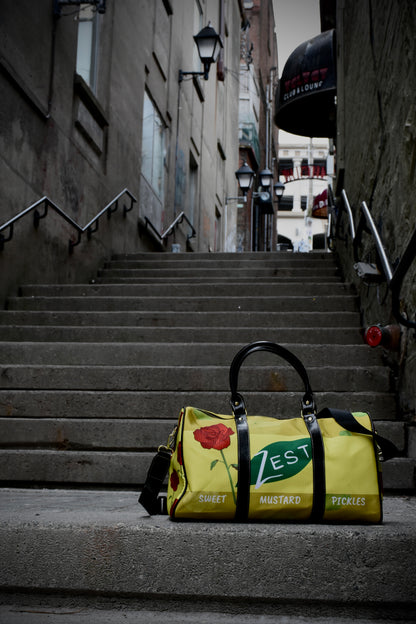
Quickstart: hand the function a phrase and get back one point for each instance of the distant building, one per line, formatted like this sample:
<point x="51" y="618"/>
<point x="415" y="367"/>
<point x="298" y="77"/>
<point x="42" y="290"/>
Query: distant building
<point x="258" y="136"/>
<point x="303" y="169"/>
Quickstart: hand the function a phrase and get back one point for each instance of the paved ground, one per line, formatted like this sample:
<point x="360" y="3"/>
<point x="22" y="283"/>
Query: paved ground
<point x="78" y="510"/>
<point x="109" y="507"/>
<point x="17" y="615"/>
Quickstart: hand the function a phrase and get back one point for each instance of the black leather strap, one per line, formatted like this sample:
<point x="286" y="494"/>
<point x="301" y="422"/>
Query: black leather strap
<point x="308" y="411"/>
<point x="149" y="497"/>
<point x="237" y="401"/>
<point x="243" y="484"/>
<point x="346" y="420"/>
<point x="318" y="465"/>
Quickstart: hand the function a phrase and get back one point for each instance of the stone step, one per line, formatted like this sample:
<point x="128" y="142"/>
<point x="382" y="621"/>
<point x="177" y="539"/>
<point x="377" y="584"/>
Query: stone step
<point x="110" y="333"/>
<point x="175" y="354"/>
<point x="18" y="608"/>
<point x="294" y="304"/>
<point x="96" y="398"/>
<point x="181" y="318"/>
<point x="89" y="544"/>
<point x="211" y="378"/>
<point x="118" y="434"/>
<point x="97" y="450"/>
<point x="208" y="289"/>
<point x="120" y="468"/>
<point x="221" y="255"/>
<point x="209" y="273"/>
<point x="124" y="277"/>
<point x="225" y="259"/>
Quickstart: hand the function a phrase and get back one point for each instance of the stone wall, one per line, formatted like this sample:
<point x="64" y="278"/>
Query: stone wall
<point x="80" y="148"/>
<point x="376" y="153"/>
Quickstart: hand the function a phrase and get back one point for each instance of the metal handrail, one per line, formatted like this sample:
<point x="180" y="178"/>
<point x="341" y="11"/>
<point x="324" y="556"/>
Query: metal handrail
<point x="380" y="249"/>
<point x="179" y="219"/>
<point x="349" y="212"/>
<point x="394" y="278"/>
<point x="48" y="203"/>
<point x="333" y="229"/>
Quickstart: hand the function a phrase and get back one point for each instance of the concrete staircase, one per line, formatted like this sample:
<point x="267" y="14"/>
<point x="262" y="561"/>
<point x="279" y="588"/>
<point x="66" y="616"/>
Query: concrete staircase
<point x="93" y="377"/>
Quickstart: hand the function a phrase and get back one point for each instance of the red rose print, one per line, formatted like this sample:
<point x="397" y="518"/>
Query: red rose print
<point x="179" y="454"/>
<point x="217" y="437"/>
<point x="174" y="480"/>
<point x="214" y="437"/>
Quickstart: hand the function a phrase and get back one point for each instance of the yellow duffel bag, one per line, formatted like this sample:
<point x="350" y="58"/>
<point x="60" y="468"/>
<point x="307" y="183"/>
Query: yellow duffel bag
<point x="316" y="467"/>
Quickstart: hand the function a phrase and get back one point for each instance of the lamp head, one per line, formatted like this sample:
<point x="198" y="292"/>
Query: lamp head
<point x="265" y="178"/>
<point x="209" y="45"/>
<point x="279" y="189"/>
<point x="245" y="177"/>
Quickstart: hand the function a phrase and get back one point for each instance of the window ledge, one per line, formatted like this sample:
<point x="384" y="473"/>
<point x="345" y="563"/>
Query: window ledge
<point x="88" y="98"/>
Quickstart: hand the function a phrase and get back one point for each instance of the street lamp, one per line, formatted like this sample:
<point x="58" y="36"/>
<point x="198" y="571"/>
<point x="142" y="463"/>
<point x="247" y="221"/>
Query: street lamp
<point x="265" y="178"/>
<point x="279" y="189"/>
<point x="209" y="45"/>
<point x="245" y="177"/>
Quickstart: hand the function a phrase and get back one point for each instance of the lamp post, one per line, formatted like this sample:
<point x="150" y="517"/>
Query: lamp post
<point x="209" y="45"/>
<point x="245" y="177"/>
<point x="265" y="180"/>
<point x="279" y="189"/>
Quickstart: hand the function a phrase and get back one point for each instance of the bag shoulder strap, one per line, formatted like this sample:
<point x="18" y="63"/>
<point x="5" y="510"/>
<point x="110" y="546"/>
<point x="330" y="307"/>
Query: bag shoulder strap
<point x="159" y="468"/>
<point x="346" y="420"/>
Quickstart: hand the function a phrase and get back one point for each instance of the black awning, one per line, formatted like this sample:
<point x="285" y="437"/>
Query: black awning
<point x="305" y="99"/>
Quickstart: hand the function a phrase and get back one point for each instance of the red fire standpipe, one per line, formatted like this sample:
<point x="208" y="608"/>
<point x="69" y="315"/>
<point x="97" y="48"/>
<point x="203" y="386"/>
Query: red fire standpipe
<point x="387" y="336"/>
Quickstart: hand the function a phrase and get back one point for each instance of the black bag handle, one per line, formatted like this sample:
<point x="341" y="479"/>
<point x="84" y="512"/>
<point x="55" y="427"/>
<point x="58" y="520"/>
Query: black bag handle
<point x="237" y="401"/>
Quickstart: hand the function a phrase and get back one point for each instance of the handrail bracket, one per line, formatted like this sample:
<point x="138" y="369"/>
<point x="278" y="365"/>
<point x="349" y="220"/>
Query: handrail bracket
<point x="37" y="216"/>
<point x="73" y="244"/>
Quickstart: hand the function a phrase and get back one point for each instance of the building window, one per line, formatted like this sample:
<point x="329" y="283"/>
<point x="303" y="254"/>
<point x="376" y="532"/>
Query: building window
<point x="153" y="147"/>
<point x="319" y="167"/>
<point x="286" y="203"/>
<point x="303" y="202"/>
<point x="285" y="167"/>
<point x="87" y="47"/>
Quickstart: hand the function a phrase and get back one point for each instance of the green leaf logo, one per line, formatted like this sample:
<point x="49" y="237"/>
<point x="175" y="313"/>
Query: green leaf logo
<point x="280" y="460"/>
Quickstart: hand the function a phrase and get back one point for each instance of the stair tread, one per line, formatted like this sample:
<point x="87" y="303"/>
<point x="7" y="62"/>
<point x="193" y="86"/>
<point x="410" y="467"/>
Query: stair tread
<point x="181" y="318"/>
<point x="148" y="333"/>
<point x="345" y="302"/>
<point x="113" y="434"/>
<point x="173" y="353"/>
<point x="107" y="398"/>
<point x="254" y="288"/>
<point x="112" y="528"/>
<point x="120" y="466"/>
